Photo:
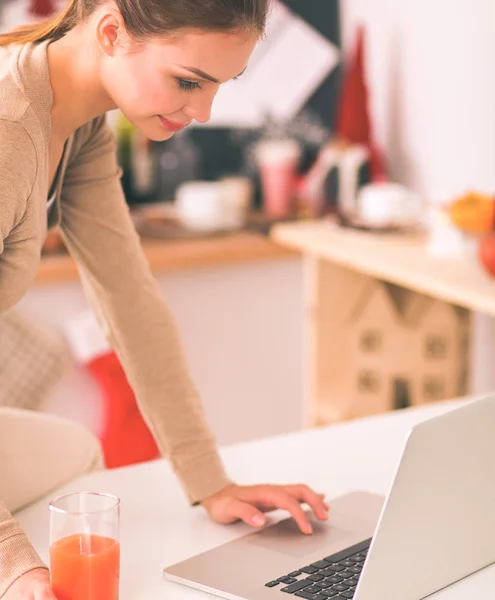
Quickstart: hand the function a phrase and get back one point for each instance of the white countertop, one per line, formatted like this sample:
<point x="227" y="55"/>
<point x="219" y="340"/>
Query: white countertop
<point x="158" y="527"/>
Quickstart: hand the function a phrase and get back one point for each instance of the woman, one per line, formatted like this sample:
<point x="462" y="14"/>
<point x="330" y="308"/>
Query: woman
<point x="161" y="62"/>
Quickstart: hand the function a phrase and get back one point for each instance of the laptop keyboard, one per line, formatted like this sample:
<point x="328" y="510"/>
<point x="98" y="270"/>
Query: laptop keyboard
<point x="334" y="576"/>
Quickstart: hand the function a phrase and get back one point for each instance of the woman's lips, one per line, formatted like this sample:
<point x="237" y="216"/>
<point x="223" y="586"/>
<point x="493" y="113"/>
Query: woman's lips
<point x="171" y="125"/>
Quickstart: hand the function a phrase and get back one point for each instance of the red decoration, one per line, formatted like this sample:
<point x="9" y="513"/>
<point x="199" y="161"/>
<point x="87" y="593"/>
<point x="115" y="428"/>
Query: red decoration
<point x="353" y="123"/>
<point x="486" y="253"/>
<point x="126" y="438"/>
<point x="41" y="8"/>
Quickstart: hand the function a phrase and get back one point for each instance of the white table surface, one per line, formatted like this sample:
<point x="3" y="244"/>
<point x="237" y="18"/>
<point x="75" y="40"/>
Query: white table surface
<point x="159" y="528"/>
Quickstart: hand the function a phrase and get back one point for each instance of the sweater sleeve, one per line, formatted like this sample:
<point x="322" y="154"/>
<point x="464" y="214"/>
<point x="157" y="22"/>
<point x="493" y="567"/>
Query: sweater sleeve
<point x="17" y="556"/>
<point x="17" y="173"/>
<point x="100" y="235"/>
<point x="19" y="236"/>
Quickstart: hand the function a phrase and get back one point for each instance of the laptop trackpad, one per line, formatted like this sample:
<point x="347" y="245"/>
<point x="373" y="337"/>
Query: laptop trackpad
<point x="353" y="518"/>
<point x="286" y="537"/>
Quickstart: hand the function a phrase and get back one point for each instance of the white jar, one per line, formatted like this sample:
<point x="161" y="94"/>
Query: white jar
<point x="199" y="205"/>
<point x="386" y="203"/>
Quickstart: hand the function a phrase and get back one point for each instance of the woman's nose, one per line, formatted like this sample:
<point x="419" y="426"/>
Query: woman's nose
<point x="200" y="114"/>
<point x="199" y="108"/>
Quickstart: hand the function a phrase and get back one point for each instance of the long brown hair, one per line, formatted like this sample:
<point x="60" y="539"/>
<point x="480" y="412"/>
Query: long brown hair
<point x="147" y="18"/>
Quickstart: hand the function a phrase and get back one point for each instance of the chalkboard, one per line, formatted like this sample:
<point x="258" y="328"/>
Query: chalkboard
<point x="323" y="15"/>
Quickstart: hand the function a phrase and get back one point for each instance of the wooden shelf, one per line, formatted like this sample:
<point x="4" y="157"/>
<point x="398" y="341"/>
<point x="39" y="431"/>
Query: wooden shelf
<point x="164" y="255"/>
<point x="401" y="258"/>
<point x="339" y="266"/>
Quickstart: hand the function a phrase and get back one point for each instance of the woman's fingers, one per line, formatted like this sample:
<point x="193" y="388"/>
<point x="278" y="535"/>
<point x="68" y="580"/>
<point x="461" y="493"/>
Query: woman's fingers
<point x="316" y="501"/>
<point x="248" y="513"/>
<point x="323" y="497"/>
<point x="264" y="496"/>
<point x="44" y="594"/>
<point x="286" y="501"/>
<point x="229" y="509"/>
<point x="278" y="497"/>
<point x="247" y="503"/>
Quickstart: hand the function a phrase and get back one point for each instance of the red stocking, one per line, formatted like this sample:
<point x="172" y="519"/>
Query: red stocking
<point x="125" y="436"/>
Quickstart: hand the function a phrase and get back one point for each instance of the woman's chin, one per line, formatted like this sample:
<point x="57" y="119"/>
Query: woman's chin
<point x="153" y="130"/>
<point x="159" y="136"/>
<point x="156" y="134"/>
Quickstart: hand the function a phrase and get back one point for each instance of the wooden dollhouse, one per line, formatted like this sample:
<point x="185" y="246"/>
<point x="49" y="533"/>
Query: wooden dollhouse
<point x="439" y="338"/>
<point x="398" y="349"/>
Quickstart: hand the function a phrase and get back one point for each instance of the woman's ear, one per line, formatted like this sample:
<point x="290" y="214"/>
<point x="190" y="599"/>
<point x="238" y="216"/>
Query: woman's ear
<point x="111" y="33"/>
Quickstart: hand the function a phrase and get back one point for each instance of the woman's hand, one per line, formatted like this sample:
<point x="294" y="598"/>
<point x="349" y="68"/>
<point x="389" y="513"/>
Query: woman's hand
<point x="247" y="503"/>
<point x="33" y="585"/>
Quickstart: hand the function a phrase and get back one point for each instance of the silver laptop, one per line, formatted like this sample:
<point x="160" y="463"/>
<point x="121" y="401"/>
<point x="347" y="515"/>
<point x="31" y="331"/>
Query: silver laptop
<point x="436" y="526"/>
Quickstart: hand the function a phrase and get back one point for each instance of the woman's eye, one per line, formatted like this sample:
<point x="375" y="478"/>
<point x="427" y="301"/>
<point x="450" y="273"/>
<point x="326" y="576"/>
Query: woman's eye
<point x="188" y="86"/>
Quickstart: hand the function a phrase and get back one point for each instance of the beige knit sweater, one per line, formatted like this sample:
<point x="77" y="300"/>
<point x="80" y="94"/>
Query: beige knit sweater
<point x="93" y="216"/>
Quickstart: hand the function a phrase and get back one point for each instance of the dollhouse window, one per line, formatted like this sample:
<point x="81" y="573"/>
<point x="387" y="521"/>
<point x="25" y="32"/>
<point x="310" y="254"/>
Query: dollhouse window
<point x="371" y="341"/>
<point x="434" y="388"/>
<point x="401" y="393"/>
<point x="435" y="347"/>
<point x="368" y="382"/>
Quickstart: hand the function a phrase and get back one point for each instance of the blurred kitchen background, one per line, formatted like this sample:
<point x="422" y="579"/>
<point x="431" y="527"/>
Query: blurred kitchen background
<point x="340" y="97"/>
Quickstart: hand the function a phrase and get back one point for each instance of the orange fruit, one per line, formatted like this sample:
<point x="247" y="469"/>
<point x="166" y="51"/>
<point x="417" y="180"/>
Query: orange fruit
<point x="473" y="212"/>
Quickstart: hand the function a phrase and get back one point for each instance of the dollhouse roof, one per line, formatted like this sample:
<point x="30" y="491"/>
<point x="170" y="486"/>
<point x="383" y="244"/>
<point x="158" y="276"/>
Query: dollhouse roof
<point x="422" y="309"/>
<point x="375" y="302"/>
<point x="385" y="302"/>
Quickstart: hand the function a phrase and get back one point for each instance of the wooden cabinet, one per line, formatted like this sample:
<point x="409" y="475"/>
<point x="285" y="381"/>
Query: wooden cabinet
<point x="386" y="323"/>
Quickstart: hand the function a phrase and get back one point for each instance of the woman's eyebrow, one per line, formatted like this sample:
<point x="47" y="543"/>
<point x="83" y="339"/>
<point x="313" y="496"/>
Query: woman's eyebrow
<point x="204" y="75"/>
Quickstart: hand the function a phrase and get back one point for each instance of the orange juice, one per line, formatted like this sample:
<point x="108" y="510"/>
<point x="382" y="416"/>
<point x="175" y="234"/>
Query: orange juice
<point x="85" y="567"/>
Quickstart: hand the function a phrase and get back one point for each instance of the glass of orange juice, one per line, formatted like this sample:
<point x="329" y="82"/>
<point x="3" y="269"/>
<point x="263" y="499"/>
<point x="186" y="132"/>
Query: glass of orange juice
<point x="85" y="546"/>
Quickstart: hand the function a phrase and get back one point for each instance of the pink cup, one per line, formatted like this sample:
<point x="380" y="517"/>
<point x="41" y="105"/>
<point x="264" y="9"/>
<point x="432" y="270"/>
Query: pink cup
<point x="277" y="162"/>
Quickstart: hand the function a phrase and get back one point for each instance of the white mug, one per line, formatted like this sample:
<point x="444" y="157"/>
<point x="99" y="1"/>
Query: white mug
<point x="386" y="202"/>
<point x="199" y="205"/>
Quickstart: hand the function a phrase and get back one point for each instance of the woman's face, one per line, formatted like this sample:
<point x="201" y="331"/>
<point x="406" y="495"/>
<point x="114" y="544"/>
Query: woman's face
<point x="163" y="85"/>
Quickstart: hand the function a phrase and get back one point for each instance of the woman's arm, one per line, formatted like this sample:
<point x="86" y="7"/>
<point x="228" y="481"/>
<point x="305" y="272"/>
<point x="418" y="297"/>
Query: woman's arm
<point x="19" y="223"/>
<point x="17" y="556"/>
<point x="101" y="237"/>
<point x="17" y="265"/>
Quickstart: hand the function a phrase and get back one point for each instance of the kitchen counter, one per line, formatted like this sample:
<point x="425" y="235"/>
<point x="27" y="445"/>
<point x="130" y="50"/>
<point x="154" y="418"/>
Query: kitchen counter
<point x="401" y="259"/>
<point x="169" y="255"/>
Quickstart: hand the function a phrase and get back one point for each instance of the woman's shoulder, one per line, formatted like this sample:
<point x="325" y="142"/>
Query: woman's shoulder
<point x="18" y="167"/>
<point x="13" y="102"/>
<point x="19" y="134"/>
<point x="17" y="140"/>
<point x="25" y="89"/>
